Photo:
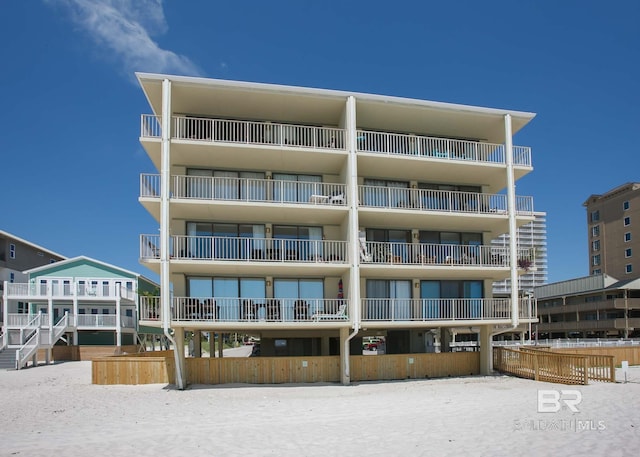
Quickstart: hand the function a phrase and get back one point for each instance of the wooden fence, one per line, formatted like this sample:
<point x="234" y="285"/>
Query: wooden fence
<point x="414" y="366"/>
<point x="159" y="367"/>
<point x="628" y="353"/>
<point x="600" y="367"/>
<point x="263" y="370"/>
<point x="78" y="353"/>
<point x="133" y="370"/>
<point x="543" y="364"/>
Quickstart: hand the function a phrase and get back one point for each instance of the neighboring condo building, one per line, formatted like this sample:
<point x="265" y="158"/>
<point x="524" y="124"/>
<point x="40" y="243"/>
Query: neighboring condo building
<point x="613" y="219"/>
<point x="533" y="238"/>
<point x="596" y="306"/>
<point x="18" y="255"/>
<point x="312" y="218"/>
<point x="73" y="302"/>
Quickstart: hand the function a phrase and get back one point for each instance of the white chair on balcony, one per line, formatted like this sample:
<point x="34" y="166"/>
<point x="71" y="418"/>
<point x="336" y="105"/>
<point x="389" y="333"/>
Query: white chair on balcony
<point x="337" y="199"/>
<point x="340" y="314"/>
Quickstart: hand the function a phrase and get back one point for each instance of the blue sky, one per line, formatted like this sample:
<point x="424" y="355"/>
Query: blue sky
<point x="70" y="113"/>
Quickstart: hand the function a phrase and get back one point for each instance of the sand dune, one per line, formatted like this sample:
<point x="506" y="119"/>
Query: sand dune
<point x="51" y="409"/>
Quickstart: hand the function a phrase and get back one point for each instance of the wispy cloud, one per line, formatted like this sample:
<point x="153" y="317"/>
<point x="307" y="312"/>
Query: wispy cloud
<point x="124" y="28"/>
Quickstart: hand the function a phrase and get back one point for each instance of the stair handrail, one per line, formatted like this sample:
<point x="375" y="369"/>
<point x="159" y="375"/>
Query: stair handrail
<point x="3" y="340"/>
<point x="60" y="328"/>
<point x="28" y="349"/>
<point x="32" y="324"/>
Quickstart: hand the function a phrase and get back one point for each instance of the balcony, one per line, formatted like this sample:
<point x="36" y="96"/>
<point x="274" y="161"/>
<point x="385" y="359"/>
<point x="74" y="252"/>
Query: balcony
<point x="459" y="261"/>
<point x="246" y="200"/>
<point x="86" y="290"/>
<point x="476" y="211"/>
<point x="442" y="310"/>
<point x="323" y="147"/>
<point x="261" y="256"/>
<point x="267" y="312"/>
<point x="451" y="160"/>
<point x="80" y="321"/>
<point x="225" y="312"/>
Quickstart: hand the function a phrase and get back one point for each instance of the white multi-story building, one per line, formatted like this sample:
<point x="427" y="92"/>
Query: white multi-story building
<point x="312" y="218"/>
<point x="532" y="238"/>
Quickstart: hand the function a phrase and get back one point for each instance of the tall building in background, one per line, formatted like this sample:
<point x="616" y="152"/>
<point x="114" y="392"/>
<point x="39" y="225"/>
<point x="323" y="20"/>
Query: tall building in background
<point x="613" y="220"/>
<point x="533" y="238"/>
<point x="312" y="218"/>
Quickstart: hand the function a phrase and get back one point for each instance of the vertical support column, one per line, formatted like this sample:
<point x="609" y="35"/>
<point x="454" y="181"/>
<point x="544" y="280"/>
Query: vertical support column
<point x="197" y="343"/>
<point x="486" y="350"/>
<point x="445" y="339"/>
<point x="49" y="350"/>
<point x="324" y="345"/>
<point x="344" y="356"/>
<point x="5" y="313"/>
<point x="353" y="240"/>
<point x="220" y="345"/>
<point x="165" y="228"/>
<point x="118" y="320"/>
<point x="74" y="320"/>
<point x="511" y="211"/>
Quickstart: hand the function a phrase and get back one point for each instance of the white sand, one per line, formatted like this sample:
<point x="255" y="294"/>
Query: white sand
<point x="55" y="410"/>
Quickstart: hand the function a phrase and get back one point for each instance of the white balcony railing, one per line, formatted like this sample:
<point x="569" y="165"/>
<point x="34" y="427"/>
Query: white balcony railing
<point x="248" y="310"/>
<point x="439" y="148"/>
<point x="247" y="190"/>
<point x="303" y="310"/>
<point x="246" y="249"/>
<point x="257" y="310"/>
<point x="441" y="309"/>
<point x="84" y="289"/>
<point x="80" y="320"/>
<point x="440" y="200"/>
<point x="103" y="320"/>
<point x="425" y="254"/>
<point x="245" y="132"/>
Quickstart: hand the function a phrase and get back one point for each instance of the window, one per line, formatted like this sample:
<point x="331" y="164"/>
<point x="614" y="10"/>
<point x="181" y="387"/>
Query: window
<point x="627" y="252"/>
<point x="295" y="188"/>
<point x="12" y="277"/>
<point x="595" y="260"/>
<point x="595" y="246"/>
<point x="595" y="216"/>
<point x="627" y="221"/>
<point x="597" y="271"/>
<point x="625" y="205"/>
<point x="628" y="268"/>
<point x="595" y="230"/>
<point x="12" y="251"/>
<point x="627" y="236"/>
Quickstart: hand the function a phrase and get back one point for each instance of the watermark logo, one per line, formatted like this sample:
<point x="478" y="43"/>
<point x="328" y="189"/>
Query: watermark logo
<point x="554" y="401"/>
<point x="551" y="401"/>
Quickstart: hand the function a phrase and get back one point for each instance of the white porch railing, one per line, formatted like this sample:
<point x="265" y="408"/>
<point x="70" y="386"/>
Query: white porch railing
<point x="246" y="249"/>
<point x="150" y="308"/>
<point x="440" y="309"/>
<point x="96" y="320"/>
<point x="440" y="200"/>
<point x="245" y="132"/>
<point x="439" y="148"/>
<point x="84" y="289"/>
<point x="426" y="254"/>
<point x="258" y="309"/>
